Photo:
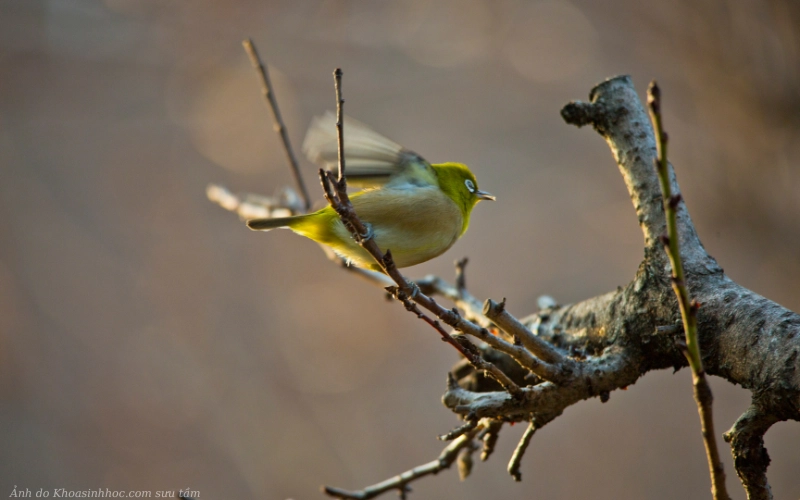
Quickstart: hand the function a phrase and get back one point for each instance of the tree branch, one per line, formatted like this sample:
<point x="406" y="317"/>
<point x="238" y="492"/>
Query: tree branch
<point x="747" y="339"/>
<point x="615" y="338"/>
<point x="280" y="128"/>
<point x="568" y="353"/>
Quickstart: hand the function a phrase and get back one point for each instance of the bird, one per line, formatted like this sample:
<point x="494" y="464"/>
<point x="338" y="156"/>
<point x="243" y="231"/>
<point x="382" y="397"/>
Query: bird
<point x="416" y="209"/>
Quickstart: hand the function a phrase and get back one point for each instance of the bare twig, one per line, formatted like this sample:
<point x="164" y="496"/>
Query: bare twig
<point x="400" y="482"/>
<point x="269" y="96"/>
<point x="519" y="452"/>
<point x="337" y="84"/>
<point x="688" y="307"/>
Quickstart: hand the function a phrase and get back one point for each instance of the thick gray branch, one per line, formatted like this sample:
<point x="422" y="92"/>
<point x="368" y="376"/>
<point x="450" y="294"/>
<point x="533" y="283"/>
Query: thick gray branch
<point x="617" y="337"/>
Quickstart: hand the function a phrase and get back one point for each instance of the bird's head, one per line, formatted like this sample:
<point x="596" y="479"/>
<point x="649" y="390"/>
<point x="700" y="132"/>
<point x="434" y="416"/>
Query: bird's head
<point x="459" y="183"/>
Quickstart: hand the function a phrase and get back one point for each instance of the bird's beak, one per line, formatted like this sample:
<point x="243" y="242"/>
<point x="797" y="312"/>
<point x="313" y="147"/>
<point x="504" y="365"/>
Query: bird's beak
<point x="483" y="195"/>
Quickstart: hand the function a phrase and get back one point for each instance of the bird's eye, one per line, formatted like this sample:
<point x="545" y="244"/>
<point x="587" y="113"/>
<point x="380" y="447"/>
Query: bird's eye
<point x="470" y="185"/>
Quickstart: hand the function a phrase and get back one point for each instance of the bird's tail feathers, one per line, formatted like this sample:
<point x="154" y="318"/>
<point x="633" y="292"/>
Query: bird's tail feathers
<point x="272" y="223"/>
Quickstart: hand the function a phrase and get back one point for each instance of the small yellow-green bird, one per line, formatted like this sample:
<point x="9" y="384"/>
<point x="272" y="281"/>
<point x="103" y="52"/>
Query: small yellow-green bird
<point x="415" y="209"/>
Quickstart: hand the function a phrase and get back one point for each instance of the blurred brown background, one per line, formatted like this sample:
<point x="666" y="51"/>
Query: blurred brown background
<point x="149" y="341"/>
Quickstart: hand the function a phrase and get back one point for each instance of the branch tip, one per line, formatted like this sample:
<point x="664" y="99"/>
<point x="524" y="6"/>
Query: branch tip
<point x="458" y="431"/>
<point x="654" y="97"/>
<point x="489" y="439"/>
<point x="579" y="113"/>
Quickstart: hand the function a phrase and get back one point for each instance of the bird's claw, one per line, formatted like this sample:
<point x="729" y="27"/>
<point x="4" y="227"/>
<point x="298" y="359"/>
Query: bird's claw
<point x="368" y="235"/>
<point x="414" y="290"/>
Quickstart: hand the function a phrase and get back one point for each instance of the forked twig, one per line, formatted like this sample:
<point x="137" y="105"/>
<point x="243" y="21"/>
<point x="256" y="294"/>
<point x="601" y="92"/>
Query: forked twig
<point x="400" y="482"/>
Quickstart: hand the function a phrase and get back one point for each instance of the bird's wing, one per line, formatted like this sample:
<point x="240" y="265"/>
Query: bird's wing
<point x="371" y="160"/>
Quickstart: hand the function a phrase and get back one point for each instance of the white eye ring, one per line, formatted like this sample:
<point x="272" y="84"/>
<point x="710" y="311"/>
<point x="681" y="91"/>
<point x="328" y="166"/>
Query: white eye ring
<point x="470" y="185"/>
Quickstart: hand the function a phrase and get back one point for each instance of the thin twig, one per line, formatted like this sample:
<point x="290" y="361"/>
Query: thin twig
<point x="458" y="431"/>
<point x="519" y="452"/>
<point x="269" y="96"/>
<point x="688" y="307"/>
<point x="400" y="482"/>
<point x="337" y="84"/>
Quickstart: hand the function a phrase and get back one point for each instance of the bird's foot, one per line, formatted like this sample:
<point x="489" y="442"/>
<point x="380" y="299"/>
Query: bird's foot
<point x="414" y="290"/>
<point x="367" y="235"/>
